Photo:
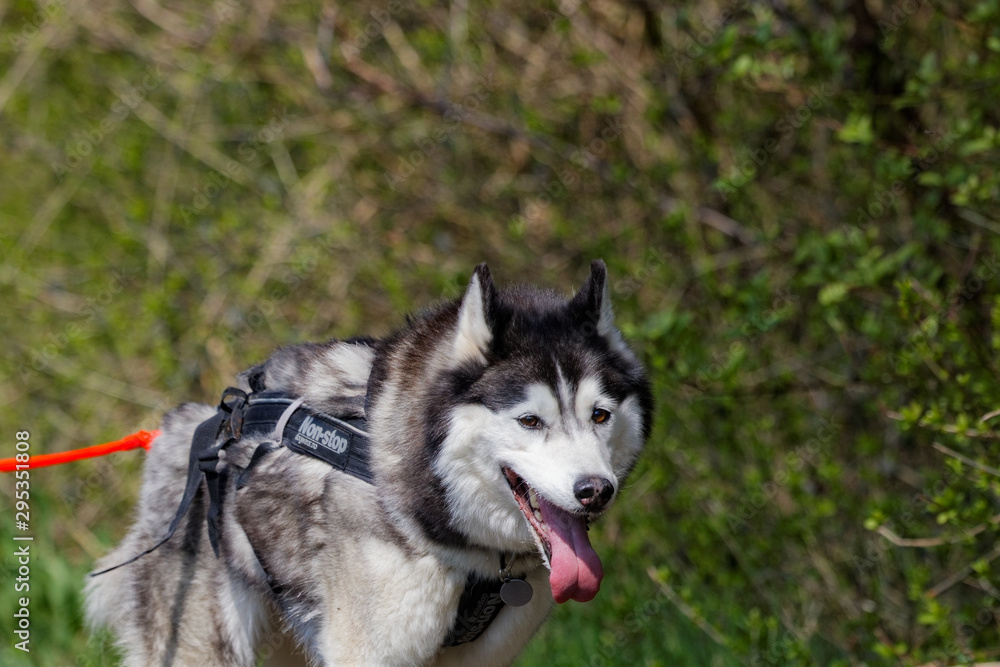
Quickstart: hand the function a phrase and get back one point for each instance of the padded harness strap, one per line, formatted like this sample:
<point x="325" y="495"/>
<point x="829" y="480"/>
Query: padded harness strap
<point x="341" y="443"/>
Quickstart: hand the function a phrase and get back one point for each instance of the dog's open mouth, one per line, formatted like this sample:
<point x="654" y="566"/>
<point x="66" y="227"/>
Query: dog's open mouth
<point x="575" y="570"/>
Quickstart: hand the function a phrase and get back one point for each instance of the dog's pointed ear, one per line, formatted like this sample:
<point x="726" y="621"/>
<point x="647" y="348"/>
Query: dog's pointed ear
<point x="593" y="301"/>
<point x="475" y="318"/>
<point x="593" y="305"/>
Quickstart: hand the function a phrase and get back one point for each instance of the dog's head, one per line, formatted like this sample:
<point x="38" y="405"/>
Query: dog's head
<point x="547" y="412"/>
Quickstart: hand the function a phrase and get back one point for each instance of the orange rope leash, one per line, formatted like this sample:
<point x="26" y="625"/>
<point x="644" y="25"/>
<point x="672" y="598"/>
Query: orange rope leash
<point x="142" y="439"/>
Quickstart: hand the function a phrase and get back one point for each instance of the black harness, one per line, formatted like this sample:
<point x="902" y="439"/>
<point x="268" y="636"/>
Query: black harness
<point x="342" y="443"/>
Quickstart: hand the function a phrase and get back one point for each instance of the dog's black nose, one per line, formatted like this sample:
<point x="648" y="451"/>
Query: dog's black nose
<point x="593" y="492"/>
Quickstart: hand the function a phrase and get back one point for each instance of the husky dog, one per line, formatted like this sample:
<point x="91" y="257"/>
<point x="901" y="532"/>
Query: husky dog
<point x="497" y="427"/>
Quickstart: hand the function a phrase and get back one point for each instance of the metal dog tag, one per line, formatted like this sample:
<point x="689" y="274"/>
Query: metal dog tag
<point x="516" y="592"/>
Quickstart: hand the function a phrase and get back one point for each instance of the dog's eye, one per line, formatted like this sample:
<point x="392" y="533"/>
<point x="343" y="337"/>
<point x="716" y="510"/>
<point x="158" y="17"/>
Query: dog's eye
<point x="600" y="415"/>
<point x="530" y="421"/>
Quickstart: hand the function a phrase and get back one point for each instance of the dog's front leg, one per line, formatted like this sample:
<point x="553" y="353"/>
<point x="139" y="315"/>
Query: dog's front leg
<point x="396" y="610"/>
<point x="506" y="637"/>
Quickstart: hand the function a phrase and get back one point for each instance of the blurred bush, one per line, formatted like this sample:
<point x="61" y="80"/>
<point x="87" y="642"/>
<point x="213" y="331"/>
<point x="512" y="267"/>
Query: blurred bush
<point x="796" y="202"/>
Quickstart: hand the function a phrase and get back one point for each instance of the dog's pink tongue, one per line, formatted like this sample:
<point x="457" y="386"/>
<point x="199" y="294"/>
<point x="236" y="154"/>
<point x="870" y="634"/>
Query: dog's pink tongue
<point x="576" y="570"/>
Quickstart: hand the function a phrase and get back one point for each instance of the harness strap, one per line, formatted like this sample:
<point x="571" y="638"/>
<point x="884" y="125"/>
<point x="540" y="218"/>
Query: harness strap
<point x="201" y="461"/>
<point x="341" y="443"/>
<point x="477" y="608"/>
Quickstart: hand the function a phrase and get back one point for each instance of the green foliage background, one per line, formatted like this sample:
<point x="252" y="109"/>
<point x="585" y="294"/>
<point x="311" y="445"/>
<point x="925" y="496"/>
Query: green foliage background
<point x="796" y="201"/>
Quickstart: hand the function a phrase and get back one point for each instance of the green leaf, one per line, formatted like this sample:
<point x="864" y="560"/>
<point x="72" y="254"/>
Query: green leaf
<point x="857" y="129"/>
<point x="833" y="293"/>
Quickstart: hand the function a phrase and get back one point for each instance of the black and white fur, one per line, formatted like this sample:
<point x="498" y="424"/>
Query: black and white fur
<point x="468" y="406"/>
